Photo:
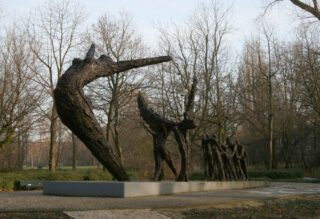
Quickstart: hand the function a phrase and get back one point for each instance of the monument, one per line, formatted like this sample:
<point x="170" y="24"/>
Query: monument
<point x="75" y="111"/>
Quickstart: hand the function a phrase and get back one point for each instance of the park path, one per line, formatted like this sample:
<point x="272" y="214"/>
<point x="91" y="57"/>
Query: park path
<point x="122" y="207"/>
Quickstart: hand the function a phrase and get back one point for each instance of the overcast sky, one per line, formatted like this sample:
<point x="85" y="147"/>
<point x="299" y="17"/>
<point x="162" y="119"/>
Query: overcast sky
<point x="147" y="14"/>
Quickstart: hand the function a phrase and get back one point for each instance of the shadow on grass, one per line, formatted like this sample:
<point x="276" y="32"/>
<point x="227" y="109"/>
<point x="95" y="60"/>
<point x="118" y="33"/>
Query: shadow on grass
<point x="34" y="214"/>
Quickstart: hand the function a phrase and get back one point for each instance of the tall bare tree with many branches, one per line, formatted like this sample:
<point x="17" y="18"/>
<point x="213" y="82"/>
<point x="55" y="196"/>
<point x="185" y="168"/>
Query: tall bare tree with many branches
<point x="117" y="37"/>
<point x="53" y="36"/>
<point x="19" y="95"/>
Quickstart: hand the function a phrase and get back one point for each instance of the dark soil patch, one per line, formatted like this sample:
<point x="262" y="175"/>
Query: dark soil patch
<point x="33" y="215"/>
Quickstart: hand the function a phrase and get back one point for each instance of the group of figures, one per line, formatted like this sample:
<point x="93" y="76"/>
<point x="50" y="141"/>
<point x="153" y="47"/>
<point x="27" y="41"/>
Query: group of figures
<point x="221" y="161"/>
<point x="76" y="112"/>
<point x="160" y="129"/>
<point x="224" y="161"/>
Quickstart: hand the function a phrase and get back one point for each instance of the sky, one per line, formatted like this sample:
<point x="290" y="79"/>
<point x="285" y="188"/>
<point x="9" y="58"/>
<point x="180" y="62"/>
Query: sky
<point x="148" y="14"/>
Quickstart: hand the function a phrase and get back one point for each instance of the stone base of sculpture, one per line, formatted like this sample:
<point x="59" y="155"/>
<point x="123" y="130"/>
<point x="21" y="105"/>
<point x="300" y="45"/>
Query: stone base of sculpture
<point x="136" y="189"/>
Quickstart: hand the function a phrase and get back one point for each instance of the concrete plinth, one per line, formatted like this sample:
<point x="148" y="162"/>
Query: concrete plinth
<point x="135" y="189"/>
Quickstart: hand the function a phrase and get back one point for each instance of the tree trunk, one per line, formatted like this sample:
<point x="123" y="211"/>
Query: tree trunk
<point x="21" y="151"/>
<point x="110" y="119"/>
<point x="270" y="127"/>
<point x="116" y="136"/>
<point x="274" y="155"/>
<point x="54" y="145"/>
<point x="270" y="142"/>
<point x="74" y="151"/>
<point x="270" y="108"/>
<point x="75" y="110"/>
<point x="60" y="142"/>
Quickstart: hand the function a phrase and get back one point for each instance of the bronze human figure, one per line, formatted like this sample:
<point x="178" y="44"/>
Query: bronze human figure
<point x="75" y="110"/>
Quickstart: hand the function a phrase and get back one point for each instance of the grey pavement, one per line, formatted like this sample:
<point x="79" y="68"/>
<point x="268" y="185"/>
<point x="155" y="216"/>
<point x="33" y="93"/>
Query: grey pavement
<point x="117" y="214"/>
<point x="122" y="207"/>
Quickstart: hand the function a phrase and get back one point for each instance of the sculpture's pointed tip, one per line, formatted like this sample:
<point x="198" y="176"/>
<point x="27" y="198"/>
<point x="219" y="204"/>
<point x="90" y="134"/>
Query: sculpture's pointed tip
<point x="91" y="51"/>
<point x="92" y="46"/>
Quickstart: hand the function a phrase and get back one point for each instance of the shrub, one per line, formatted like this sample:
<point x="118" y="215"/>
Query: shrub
<point x="197" y="176"/>
<point x="96" y="174"/>
<point x="277" y="174"/>
<point x="262" y="174"/>
<point x="7" y="183"/>
<point x="313" y="172"/>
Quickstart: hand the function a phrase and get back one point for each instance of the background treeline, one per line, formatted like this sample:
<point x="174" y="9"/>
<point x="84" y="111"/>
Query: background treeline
<point x="267" y="97"/>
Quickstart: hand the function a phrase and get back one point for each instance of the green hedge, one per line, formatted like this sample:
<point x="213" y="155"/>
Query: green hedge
<point x="8" y="178"/>
<point x="197" y="176"/>
<point x="277" y="174"/>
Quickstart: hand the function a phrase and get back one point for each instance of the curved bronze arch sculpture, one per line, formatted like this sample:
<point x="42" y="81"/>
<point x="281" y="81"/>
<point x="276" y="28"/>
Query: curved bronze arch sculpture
<point x="75" y="111"/>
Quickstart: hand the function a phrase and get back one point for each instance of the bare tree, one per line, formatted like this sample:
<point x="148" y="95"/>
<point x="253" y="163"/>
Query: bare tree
<point x="272" y="70"/>
<point x="256" y="87"/>
<point x="53" y="36"/>
<point x="198" y="49"/>
<point x="310" y="7"/>
<point x="19" y="96"/>
<point x="305" y="65"/>
<point x="117" y="37"/>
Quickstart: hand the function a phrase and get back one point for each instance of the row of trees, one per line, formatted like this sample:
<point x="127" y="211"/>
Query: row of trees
<point x="268" y="98"/>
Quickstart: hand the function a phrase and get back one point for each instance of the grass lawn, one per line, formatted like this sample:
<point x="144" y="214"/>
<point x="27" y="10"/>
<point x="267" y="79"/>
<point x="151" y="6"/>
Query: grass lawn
<point x="9" y="178"/>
